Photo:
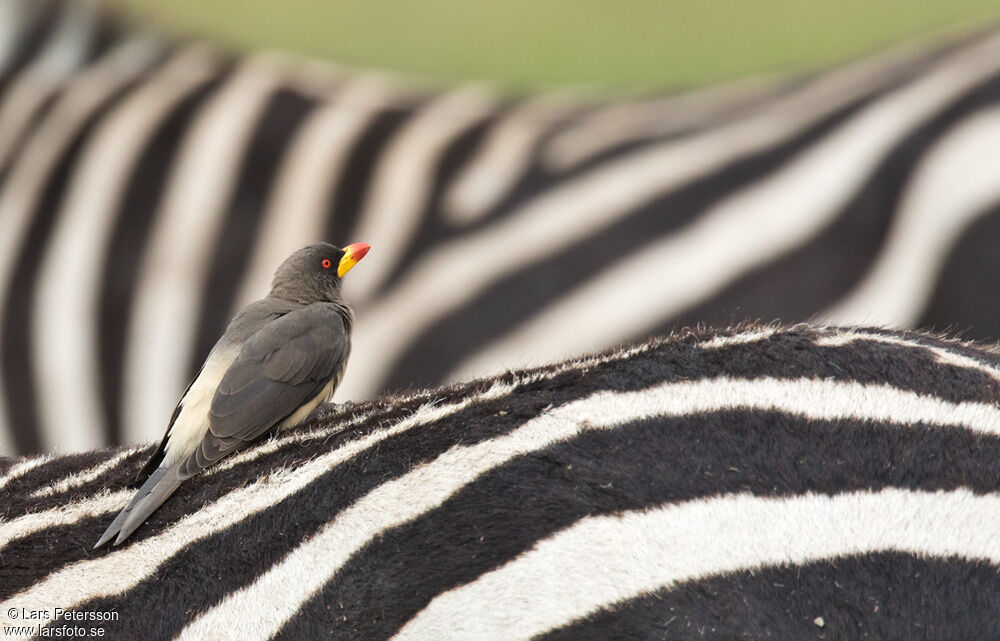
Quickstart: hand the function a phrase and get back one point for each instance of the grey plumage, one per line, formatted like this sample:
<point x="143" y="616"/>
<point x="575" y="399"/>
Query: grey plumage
<point x="281" y="367"/>
<point x="157" y="489"/>
<point x="279" y="357"/>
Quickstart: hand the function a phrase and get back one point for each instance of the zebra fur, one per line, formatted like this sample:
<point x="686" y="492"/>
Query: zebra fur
<point x="759" y="482"/>
<point x="149" y="185"/>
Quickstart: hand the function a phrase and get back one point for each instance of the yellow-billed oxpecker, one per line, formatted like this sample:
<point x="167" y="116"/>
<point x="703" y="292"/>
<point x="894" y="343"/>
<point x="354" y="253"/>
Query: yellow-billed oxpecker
<point x="280" y="357"/>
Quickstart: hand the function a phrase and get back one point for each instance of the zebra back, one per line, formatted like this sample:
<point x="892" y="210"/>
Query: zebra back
<point x="763" y="482"/>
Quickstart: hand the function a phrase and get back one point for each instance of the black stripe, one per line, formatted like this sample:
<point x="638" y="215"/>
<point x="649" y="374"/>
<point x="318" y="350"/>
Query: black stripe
<point x="889" y="595"/>
<point x="645" y="464"/>
<point x="433" y="228"/>
<point x="988" y="354"/>
<point x="16" y="340"/>
<point x="838" y="257"/>
<point x="128" y="242"/>
<point x="350" y="188"/>
<point x="270" y="138"/>
<point x="23" y="137"/>
<point x="964" y="297"/>
<point x="903" y="367"/>
<point x="532" y="287"/>
<point x="109" y="32"/>
<point x="18" y="500"/>
<point x="23" y="556"/>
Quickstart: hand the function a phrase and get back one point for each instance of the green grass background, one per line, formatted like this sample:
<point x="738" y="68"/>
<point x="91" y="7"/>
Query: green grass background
<point x="638" y="44"/>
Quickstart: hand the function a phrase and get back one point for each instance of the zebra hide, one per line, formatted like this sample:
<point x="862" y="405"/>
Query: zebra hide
<point x="149" y="186"/>
<point x="756" y="483"/>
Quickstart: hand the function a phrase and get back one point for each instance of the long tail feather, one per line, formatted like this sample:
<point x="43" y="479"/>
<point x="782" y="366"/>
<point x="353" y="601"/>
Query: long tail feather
<point x="157" y="489"/>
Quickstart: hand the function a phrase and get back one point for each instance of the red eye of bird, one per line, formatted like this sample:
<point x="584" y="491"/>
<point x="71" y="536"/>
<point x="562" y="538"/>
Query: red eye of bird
<point x="326" y="263"/>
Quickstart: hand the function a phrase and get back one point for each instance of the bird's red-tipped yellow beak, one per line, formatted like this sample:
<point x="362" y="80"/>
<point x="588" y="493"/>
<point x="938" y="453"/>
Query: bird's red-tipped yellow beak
<point x="352" y="254"/>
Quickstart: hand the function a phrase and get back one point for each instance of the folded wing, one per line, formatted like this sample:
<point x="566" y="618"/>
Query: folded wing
<point x="285" y="364"/>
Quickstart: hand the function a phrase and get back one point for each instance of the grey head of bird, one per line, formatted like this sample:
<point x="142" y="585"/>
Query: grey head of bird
<point x="314" y="273"/>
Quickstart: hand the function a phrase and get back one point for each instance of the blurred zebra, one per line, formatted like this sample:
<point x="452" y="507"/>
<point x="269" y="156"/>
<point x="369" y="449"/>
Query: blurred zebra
<point x="148" y="187"/>
<point x="755" y="483"/>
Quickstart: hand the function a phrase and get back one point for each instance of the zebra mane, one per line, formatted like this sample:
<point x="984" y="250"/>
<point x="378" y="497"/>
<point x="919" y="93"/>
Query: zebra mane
<point x="811" y="455"/>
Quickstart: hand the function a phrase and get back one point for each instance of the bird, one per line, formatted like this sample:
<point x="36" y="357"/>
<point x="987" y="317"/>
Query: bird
<point x="279" y="358"/>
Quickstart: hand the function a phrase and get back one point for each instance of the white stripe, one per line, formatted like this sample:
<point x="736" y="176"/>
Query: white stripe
<point x="850" y="336"/>
<point x="164" y="320"/>
<point x="954" y="186"/>
<point x="402" y="181"/>
<point x="600" y="561"/>
<point x="941" y="354"/>
<point x="503" y="156"/>
<point x="63" y="53"/>
<point x="69" y="279"/>
<point x="296" y="211"/>
<point x="286" y="586"/>
<point x="746" y="230"/>
<point x="22" y="468"/>
<point x="451" y="276"/>
<point x="624" y="121"/>
<point x="83" y="476"/>
<point x="752" y="336"/>
<point x="28" y="177"/>
<point x="68" y="514"/>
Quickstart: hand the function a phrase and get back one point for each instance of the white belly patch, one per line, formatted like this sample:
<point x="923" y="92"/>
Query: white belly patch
<point x="324" y="396"/>
<point x="192" y="423"/>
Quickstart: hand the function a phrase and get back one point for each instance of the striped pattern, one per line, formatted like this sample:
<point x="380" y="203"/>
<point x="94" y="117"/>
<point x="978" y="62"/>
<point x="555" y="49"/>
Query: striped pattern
<point x="149" y="186"/>
<point x="744" y="483"/>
